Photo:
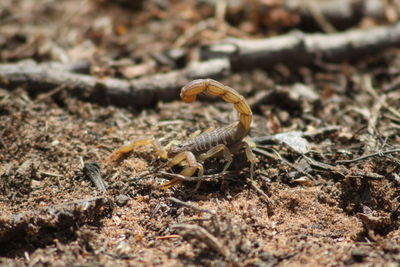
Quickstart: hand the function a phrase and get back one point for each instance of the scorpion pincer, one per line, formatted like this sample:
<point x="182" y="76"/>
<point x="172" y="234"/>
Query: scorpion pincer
<point x="223" y="141"/>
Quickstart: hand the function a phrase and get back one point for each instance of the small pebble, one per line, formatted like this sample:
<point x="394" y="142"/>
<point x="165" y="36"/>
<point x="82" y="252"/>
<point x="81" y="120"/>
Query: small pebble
<point x="122" y="200"/>
<point x="245" y="247"/>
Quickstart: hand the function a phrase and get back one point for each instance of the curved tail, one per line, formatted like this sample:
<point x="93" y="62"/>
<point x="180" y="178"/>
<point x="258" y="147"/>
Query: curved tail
<point x="190" y="91"/>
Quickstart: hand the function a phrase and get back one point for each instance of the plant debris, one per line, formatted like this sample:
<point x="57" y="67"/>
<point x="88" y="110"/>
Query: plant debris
<point x="78" y="79"/>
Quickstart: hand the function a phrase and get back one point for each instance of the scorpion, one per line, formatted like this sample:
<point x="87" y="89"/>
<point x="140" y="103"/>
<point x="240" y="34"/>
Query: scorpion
<point x="223" y="141"/>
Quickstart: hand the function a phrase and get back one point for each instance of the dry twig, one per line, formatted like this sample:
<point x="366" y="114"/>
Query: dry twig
<point x="207" y="177"/>
<point x="377" y="154"/>
<point x="300" y="48"/>
<point x="319" y="17"/>
<point x="266" y="198"/>
<point x="93" y="172"/>
<point x="214" y="216"/>
<point x="339" y="13"/>
<point x="368" y="86"/>
<point x="282" y="159"/>
<point x="139" y="93"/>
<point x="202" y="235"/>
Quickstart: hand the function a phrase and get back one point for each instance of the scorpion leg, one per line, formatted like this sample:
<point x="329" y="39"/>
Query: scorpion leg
<point x="213" y="152"/>
<point x="116" y="155"/>
<point x="248" y="145"/>
<point x="192" y="167"/>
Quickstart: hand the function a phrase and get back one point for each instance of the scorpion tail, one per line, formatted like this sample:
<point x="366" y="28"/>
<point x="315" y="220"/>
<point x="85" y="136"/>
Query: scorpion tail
<point x="190" y="91"/>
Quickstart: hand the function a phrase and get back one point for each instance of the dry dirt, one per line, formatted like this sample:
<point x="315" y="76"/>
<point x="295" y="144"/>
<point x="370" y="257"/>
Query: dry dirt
<point x="321" y="215"/>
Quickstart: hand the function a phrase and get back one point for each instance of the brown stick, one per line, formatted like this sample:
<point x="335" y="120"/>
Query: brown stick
<point x="299" y="48"/>
<point x="93" y="172"/>
<point x="213" y="213"/>
<point x="140" y="93"/>
<point x="202" y="235"/>
<point x="339" y="13"/>
<point x="376" y="154"/>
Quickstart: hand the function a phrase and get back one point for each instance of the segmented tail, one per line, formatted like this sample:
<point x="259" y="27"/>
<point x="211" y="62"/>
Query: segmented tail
<point x="190" y="91"/>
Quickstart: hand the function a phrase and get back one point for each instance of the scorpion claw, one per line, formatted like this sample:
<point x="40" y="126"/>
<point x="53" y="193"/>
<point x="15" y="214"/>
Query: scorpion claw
<point x="115" y="157"/>
<point x="170" y="184"/>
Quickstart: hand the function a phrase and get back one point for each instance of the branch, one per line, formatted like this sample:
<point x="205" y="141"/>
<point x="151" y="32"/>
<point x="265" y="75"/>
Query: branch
<point x="140" y="93"/>
<point x="300" y="48"/>
<point x="339" y="13"/>
<point x="202" y="235"/>
<point x="377" y="154"/>
<point x="213" y="213"/>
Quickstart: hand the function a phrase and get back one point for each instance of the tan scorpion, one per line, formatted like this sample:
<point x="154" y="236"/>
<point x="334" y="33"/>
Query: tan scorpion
<point x="223" y="141"/>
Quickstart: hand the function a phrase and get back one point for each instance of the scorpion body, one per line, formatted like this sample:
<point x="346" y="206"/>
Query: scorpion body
<point x="225" y="140"/>
<point x="227" y="135"/>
